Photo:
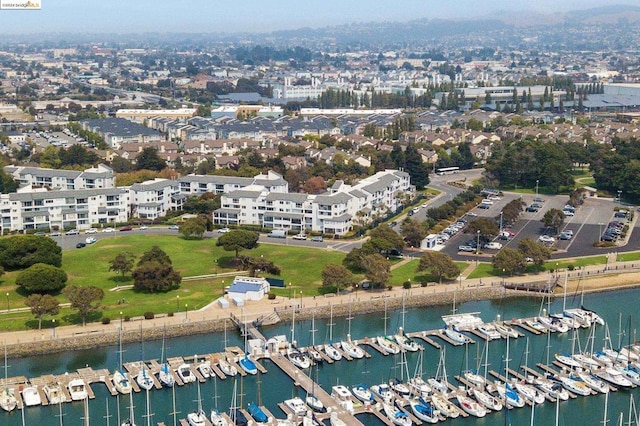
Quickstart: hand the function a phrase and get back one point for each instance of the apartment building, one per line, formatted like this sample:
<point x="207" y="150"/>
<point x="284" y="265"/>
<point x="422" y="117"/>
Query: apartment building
<point x="98" y="177"/>
<point x="153" y="199"/>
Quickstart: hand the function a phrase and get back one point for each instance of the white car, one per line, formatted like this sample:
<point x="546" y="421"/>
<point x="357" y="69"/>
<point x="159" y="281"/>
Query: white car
<point x="72" y="232"/>
<point x="109" y="229"/>
<point x="143" y="227"/>
<point x="547" y="239"/>
<point x="91" y="231"/>
<point x="493" y="245"/>
<point x="223" y="230"/>
<point x="90" y="240"/>
<point x="300" y="237"/>
<point x="568" y="213"/>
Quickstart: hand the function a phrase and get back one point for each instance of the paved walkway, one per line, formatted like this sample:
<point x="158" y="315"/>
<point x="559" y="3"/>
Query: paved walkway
<point x="589" y="278"/>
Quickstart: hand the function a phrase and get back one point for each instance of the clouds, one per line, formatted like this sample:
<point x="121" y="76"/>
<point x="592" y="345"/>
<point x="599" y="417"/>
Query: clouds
<point x="125" y="16"/>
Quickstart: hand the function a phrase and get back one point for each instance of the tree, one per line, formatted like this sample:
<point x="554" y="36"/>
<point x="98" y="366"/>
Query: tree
<point x="237" y="240"/>
<point x="416" y="168"/>
<point x="193" y="227"/>
<point x="315" y="185"/>
<point x="354" y="260"/>
<point x="84" y="299"/>
<point x="509" y="260"/>
<point x="255" y="265"/>
<point x="122" y="263"/>
<point x="22" y="251"/>
<point x="413" y="232"/>
<point x="377" y="270"/>
<point x="440" y="264"/>
<point x="153" y="276"/>
<point x="537" y="252"/>
<point x="155" y="254"/>
<point x="42" y="305"/>
<point x="150" y="160"/>
<point x="385" y="240"/>
<point x="488" y="228"/>
<point x="336" y="276"/>
<point x="553" y="218"/>
<point x="42" y="278"/>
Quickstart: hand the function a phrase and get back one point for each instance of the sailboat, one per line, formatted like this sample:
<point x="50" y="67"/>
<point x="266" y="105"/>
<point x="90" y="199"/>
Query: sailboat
<point x="197" y="418"/>
<point x="417" y="383"/>
<point x="329" y="349"/>
<point x="165" y="376"/>
<point x="217" y="419"/>
<point x="131" y="420"/>
<point x="439" y="381"/>
<point x="313" y="352"/>
<point x="245" y="362"/>
<point x="120" y="380"/>
<point x="397" y="417"/>
<point x="296" y="357"/>
<point x="313" y="401"/>
<point x="8" y="401"/>
<point x="348" y="346"/>
<point x="424" y="411"/>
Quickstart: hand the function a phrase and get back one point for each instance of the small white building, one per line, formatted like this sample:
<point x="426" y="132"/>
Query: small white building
<point x="430" y="242"/>
<point x="249" y="288"/>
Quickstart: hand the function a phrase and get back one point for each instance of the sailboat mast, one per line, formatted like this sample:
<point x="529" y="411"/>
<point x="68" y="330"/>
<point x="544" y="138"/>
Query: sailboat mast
<point x="330" y="323"/>
<point x="107" y="416"/>
<point x="385" y="317"/>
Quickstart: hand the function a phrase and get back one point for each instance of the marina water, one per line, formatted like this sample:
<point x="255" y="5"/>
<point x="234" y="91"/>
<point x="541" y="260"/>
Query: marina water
<point x="274" y="387"/>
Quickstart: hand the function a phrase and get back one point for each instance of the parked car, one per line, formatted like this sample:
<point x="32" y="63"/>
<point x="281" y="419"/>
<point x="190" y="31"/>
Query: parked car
<point x="471" y="214"/>
<point x="90" y="240"/>
<point x="174" y="227"/>
<point x="72" y="232"/>
<point x="538" y="200"/>
<point x="568" y="213"/>
<point x="620" y="214"/>
<point x="317" y="239"/>
<point x="55" y="234"/>
<point x="91" y="231"/>
<point x="109" y="229"/>
<point x="300" y="237"/>
<point x="143" y="227"/>
<point x="466" y="248"/>
<point x="126" y="228"/>
<point x="415" y="210"/>
<point x="80" y="245"/>
<point x="484" y="206"/>
<point x="531" y="209"/>
<point x="493" y="245"/>
<point x="486" y="201"/>
<point x="547" y="239"/>
<point x="564" y="236"/>
<point x="223" y="230"/>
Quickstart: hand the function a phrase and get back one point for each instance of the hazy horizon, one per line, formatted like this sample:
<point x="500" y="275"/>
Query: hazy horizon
<point x="210" y="16"/>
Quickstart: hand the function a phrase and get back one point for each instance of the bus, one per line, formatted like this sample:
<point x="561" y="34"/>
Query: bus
<point x="447" y="170"/>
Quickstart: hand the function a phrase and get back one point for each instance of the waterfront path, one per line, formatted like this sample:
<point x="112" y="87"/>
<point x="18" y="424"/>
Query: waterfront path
<point x="611" y="276"/>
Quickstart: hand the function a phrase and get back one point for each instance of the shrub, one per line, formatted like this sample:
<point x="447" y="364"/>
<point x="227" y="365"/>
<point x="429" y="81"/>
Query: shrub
<point x="149" y="315"/>
<point x="127" y="318"/>
<point x="170" y="314"/>
<point x="272" y="296"/>
<point x="106" y="320"/>
<point x="389" y="287"/>
<point x="406" y="285"/>
<point x="42" y="278"/>
<point x="571" y="267"/>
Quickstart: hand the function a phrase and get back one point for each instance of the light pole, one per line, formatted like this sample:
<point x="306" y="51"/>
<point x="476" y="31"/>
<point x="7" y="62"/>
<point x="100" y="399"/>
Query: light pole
<point x="300" y="299"/>
<point x="53" y="332"/>
<point x="120" y="320"/>
<point x="503" y="273"/>
<point x="477" y="246"/>
<point x="7" y="301"/>
<point x="289" y="292"/>
<point x="537" y="187"/>
<point x="619" y="197"/>
<point x="501" y="222"/>
<point x="177" y="303"/>
<point x="186" y="311"/>
<point x="600" y="232"/>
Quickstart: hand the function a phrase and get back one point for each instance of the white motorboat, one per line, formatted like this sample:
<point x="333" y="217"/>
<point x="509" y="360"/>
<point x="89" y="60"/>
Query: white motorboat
<point x="506" y="331"/>
<point x="205" y="369"/>
<point x="551" y="388"/>
<point x="446" y="407"/>
<point x="509" y="395"/>
<point x="399" y="387"/>
<point x="8" y="401"/>
<point x="352" y="349"/>
<point x="388" y="345"/>
<point x="587" y="361"/>
<point x="218" y="419"/>
<point x="567" y="321"/>
<point x="197" y="418"/>
<point x="487" y="400"/>
<point x="383" y="391"/>
<point x="529" y="393"/>
<point x="332" y="352"/>
<point x="406" y="343"/>
<point x="227" y="368"/>
<point x="567" y="360"/>
<point x="315" y="355"/>
<point x="363" y="393"/>
<point x="438" y="385"/>
<point x="248" y="365"/>
<point x="457" y="337"/>
<point x="314" y="403"/>
<point x="424" y="411"/>
<point x="470" y="406"/>
<point x="419" y="386"/>
<point x="185" y="374"/>
<point x="582" y="317"/>
<point x="575" y="386"/>
<point x="31" y="396"/>
<point x="344" y="397"/>
<point x="54" y="393"/>
<point x="466" y="321"/>
<point x="489" y="332"/>
<point x="553" y="324"/>
<point x="297" y="406"/>
<point x="77" y="389"/>
<point x="299" y="359"/>
<point x="165" y="376"/>
<point x="144" y="379"/>
<point x="121" y="382"/>
<point x="593" y="382"/>
<point x="397" y="417"/>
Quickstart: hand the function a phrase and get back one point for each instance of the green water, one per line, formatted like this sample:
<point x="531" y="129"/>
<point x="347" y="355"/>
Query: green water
<point x="275" y="386"/>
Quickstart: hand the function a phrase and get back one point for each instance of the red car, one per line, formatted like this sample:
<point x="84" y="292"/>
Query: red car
<point x="126" y="228"/>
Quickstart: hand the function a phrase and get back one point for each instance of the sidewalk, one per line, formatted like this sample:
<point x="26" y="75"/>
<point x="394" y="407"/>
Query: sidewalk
<point x="587" y="279"/>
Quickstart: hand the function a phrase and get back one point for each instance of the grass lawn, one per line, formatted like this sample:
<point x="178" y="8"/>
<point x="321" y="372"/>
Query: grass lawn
<point x="629" y="257"/>
<point x="583" y="261"/>
<point x="408" y="272"/>
<point x="300" y="266"/>
<point x="483" y="270"/>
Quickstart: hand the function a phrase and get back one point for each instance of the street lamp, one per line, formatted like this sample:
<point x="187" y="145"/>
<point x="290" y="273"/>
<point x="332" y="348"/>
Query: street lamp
<point x="289" y="291"/>
<point x="537" y="187"/>
<point x="7" y="301"/>
<point x="186" y="311"/>
<point x="177" y="303"/>
<point x="120" y="319"/>
<point x="477" y="246"/>
<point x="53" y="332"/>
<point x="503" y="273"/>
<point x="600" y="232"/>
<point x="501" y="222"/>
<point x="300" y="299"/>
<point x="620" y="197"/>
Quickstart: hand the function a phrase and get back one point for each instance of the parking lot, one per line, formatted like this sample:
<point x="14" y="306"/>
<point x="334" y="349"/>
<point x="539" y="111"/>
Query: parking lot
<point x="588" y="223"/>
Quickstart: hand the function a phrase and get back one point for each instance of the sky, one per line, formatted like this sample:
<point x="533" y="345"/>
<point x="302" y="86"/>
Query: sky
<point x="215" y="16"/>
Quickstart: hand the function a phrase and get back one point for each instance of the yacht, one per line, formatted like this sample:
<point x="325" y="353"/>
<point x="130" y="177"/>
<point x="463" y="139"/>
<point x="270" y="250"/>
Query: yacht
<point x="343" y="396"/>
<point x="487" y="400"/>
<point x="593" y="382"/>
<point x="352" y="349"/>
<point x="419" y="386"/>
<point x="144" y="379"/>
<point x="614" y="377"/>
<point x="397" y="417"/>
<point x="535" y="325"/>
<point x="363" y="393"/>
<point x="8" y="401"/>
<point x="227" y="368"/>
<point x="587" y="361"/>
<point x="205" y="369"/>
<point x="529" y="393"/>
<point x="77" y="389"/>
<point x="384" y="392"/>
<point x="54" y="393"/>
<point x="567" y="360"/>
<point x="489" y="332"/>
<point x="475" y="378"/>
<point x="121" y="382"/>
<point x="457" y="337"/>
<point x="248" y="365"/>
<point x="509" y="395"/>
<point x="185" y="374"/>
<point x="406" y="343"/>
<point x="506" y="331"/>
<point x="165" y="376"/>
<point x="315" y="355"/>
<point x="399" y="387"/>
<point x="388" y="345"/>
<point x="332" y="352"/>
<point x="218" y="419"/>
<point x="31" y="396"/>
<point x="575" y="386"/>
<point x="582" y="317"/>
<point x="551" y="388"/>
<point x="630" y="372"/>
<point x="425" y="412"/>
<point x="297" y="406"/>
<point x="445" y="406"/>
